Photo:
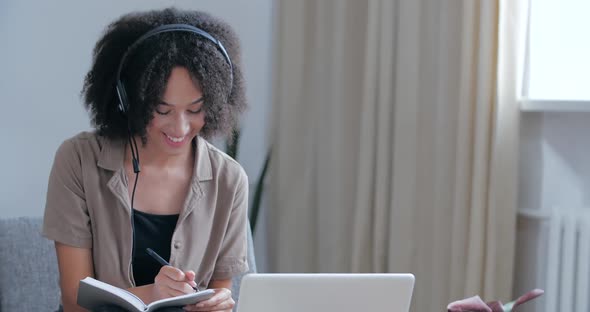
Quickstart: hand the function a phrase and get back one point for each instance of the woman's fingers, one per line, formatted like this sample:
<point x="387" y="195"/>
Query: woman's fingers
<point x="190" y="278"/>
<point x="221" y="295"/>
<point x="224" y="306"/>
<point x="172" y="282"/>
<point x="173" y="273"/>
<point x="182" y="287"/>
<point x="221" y="301"/>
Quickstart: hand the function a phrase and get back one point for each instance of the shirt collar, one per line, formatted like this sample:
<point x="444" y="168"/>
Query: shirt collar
<point x="112" y="154"/>
<point x="202" y="167"/>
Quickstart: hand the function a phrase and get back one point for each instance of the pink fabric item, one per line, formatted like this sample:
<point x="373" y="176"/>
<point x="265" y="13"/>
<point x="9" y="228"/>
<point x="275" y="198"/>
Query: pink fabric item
<point x="469" y="304"/>
<point x="475" y="304"/>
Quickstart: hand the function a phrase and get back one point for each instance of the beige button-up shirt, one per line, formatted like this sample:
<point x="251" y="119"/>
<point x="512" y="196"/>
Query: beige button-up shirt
<point x="88" y="206"/>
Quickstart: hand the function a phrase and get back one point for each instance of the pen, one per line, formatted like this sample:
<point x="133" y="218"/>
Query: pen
<point x="161" y="261"/>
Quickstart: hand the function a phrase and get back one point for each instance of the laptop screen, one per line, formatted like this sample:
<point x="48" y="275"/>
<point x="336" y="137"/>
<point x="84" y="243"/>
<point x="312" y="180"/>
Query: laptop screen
<point x="325" y="292"/>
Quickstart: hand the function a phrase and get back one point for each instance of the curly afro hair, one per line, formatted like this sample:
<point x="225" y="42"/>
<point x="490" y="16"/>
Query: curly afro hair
<point x="148" y="66"/>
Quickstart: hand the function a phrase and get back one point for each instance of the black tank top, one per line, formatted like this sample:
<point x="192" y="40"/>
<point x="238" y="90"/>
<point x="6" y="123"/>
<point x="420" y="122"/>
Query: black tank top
<point x="155" y="232"/>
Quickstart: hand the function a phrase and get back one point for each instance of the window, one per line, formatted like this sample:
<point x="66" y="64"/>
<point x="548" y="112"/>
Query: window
<point x="558" y="75"/>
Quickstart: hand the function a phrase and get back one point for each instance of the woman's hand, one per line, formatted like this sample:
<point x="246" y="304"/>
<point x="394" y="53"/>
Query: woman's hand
<point x="172" y="282"/>
<point x="220" y="302"/>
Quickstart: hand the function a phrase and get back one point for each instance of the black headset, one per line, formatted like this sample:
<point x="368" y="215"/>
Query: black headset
<point x="122" y="94"/>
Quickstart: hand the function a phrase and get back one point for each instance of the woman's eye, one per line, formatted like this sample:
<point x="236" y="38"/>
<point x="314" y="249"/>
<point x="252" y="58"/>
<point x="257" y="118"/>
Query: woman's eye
<point x="162" y="112"/>
<point x="196" y="111"/>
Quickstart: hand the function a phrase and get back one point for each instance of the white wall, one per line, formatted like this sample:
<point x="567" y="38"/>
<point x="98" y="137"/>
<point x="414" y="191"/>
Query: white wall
<point x="45" y="51"/>
<point x="554" y="174"/>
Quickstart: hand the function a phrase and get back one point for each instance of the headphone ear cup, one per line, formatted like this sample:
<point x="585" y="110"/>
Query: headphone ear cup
<point x="123" y="103"/>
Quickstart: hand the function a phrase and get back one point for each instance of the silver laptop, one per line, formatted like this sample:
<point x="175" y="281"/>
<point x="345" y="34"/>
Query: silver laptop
<point x="325" y="292"/>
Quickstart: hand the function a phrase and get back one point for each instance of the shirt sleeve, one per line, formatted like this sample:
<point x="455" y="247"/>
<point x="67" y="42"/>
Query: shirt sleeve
<point x="232" y="257"/>
<point x="66" y="217"/>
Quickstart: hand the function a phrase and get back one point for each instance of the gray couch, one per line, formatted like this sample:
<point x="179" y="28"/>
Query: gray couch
<point x="28" y="267"/>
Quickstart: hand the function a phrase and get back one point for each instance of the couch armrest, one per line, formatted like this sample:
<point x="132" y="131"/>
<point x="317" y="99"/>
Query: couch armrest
<point x="28" y="267"/>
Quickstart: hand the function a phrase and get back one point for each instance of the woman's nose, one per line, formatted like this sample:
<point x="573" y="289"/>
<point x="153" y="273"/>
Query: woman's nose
<point x="181" y="125"/>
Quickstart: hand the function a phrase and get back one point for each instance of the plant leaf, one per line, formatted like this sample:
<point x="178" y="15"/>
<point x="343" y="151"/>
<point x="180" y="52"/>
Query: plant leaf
<point x="256" y="201"/>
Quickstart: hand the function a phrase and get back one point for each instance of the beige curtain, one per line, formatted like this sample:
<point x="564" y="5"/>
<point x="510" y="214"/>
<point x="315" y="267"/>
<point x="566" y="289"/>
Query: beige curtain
<point x="392" y="150"/>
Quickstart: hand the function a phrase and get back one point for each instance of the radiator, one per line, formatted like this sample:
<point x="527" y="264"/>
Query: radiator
<point x="568" y="261"/>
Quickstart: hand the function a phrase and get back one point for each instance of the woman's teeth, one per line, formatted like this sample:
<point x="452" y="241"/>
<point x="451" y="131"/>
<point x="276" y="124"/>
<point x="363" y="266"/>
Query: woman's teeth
<point x="176" y="140"/>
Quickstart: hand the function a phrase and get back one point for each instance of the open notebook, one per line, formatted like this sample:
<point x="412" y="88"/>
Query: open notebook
<point x="93" y="293"/>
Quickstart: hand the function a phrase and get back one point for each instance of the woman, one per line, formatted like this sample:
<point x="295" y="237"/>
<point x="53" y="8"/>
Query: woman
<point x="160" y="84"/>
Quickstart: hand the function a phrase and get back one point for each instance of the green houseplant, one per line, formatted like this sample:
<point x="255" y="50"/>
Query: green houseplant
<point x="232" y="150"/>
